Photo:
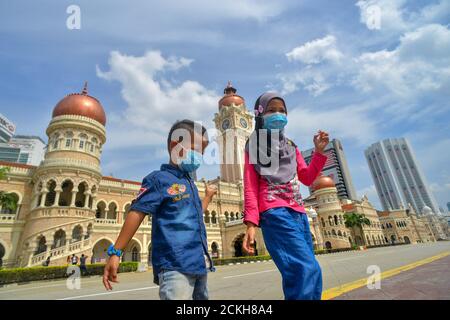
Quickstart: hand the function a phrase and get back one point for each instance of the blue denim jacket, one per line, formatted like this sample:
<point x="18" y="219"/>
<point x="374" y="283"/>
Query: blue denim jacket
<point x="178" y="231"/>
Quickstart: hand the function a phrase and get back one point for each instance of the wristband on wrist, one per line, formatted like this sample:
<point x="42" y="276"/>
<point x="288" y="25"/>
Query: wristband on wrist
<point x="113" y="251"/>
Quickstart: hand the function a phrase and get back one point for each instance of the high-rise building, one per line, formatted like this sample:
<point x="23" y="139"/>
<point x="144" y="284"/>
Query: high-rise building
<point x="23" y="149"/>
<point x="7" y="129"/>
<point x="448" y="206"/>
<point x="336" y="167"/>
<point x="399" y="181"/>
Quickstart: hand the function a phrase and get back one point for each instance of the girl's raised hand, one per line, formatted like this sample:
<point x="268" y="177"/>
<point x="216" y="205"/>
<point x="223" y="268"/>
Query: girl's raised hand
<point x="321" y="140"/>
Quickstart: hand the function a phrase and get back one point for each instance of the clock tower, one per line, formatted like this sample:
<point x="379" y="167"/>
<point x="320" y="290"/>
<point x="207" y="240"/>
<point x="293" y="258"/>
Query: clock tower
<point x="234" y="124"/>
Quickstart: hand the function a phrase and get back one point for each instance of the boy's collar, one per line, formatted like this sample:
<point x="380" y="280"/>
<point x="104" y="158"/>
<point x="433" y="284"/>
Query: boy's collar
<point x="174" y="170"/>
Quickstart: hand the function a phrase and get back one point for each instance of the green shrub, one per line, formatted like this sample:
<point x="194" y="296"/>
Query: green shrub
<point x="16" y="275"/>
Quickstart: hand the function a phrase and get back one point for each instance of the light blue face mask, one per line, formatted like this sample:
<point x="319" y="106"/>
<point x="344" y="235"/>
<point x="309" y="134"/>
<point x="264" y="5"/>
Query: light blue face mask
<point x="275" y="121"/>
<point x="191" y="162"/>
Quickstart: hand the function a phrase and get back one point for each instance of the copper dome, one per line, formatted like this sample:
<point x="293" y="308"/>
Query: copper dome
<point x="81" y="104"/>
<point x="322" y="182"/>
<point x="230" y="97"/>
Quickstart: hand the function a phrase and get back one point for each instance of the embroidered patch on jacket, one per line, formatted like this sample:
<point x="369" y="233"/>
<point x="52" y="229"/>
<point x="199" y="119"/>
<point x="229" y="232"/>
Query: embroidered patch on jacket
<point x="176" y="189"/>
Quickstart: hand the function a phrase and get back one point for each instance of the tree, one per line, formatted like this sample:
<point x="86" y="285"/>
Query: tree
<point x="356" y="220"/>
<point x="7" y="200"/>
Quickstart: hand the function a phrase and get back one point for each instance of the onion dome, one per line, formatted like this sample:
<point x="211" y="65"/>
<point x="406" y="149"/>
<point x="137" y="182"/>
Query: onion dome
<point x="230" y="97"/>
<point x="322" y="182"/>
<point x="81" y="104"/>
<point x="427" y="210"/>
<point x="312" y="212"/>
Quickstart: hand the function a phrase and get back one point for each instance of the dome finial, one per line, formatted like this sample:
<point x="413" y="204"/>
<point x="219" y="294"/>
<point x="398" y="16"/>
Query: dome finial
<point x="85" y="90"/>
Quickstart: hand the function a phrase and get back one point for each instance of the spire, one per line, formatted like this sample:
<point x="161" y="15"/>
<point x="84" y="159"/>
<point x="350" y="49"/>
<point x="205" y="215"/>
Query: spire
<point x="85" y="90"/>
<point x="229" y="88"/>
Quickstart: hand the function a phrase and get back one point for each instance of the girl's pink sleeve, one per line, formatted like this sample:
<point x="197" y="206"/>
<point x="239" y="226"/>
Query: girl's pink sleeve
<point x="251" y="189"/>
<point x="307" y="174"/>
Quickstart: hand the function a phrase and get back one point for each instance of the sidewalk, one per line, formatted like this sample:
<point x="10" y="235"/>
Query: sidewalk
<point x="428" y="282"/>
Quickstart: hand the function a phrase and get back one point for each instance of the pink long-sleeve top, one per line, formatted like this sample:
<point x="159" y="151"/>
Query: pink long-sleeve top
<point x="260" y="195"/>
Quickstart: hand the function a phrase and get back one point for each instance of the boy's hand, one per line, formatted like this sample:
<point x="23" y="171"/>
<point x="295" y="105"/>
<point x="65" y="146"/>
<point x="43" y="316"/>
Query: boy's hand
<point x="110" y="272"/>
<point x="210" y="191"/>
<point x="321" y="140"/>
<point x="249" y="239"/>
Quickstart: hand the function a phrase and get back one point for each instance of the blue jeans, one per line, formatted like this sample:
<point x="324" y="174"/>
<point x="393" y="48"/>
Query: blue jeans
<point x="174" y="285"/>
<point x="288" y="239"/>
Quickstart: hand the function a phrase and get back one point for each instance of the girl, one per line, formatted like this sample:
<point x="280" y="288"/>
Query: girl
<point x="272" y="171"/>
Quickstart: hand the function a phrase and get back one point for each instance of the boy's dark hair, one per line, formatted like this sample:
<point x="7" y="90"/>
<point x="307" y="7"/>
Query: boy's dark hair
<point x="187" y="125"/>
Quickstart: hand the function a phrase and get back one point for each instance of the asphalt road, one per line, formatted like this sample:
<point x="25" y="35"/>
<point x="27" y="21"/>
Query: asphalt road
<point x="234" y="282"/>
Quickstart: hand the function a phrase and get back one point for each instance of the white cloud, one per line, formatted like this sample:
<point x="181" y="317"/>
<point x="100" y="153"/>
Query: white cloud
<point x="308" y="78"/>
<point x="392" y="13"/>
<point x="316" y="51"/>
<point x="396" y="17"/>
<point x="347" y="123"/>
<point x="154" y="102"/>
<point x="419" y="64"/>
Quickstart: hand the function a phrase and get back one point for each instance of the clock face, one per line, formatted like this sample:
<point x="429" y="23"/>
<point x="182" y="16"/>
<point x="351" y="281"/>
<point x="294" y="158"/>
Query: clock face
<point x="226" y="124"/>
<point x="243" y="123"/>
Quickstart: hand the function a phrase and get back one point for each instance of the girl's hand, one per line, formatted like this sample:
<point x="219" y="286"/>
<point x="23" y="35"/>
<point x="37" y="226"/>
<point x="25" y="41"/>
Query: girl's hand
<point x="110" y="271"/>
<point x="249" y="239"/>
<point x="321" y="140"/>
<point x="210" y="191"/>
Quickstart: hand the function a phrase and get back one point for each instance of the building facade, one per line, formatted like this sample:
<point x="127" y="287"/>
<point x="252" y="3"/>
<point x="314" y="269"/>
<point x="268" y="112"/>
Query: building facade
<point x="66" y="206"/>
<point x="336" y="167"/>
<point x="23" y="149"/>
<point x="7" y="129"/>
<point x="397" y="176"/>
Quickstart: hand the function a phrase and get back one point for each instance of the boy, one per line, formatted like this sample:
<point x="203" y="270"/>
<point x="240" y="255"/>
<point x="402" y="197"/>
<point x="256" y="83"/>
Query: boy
<point x="180" y="255"/>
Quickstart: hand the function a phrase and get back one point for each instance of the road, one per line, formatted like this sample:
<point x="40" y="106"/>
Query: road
<point x="249" y="281"/>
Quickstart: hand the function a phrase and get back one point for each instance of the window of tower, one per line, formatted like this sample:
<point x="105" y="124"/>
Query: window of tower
<point x="50" y="199"/>
<point x="68" y="143"/>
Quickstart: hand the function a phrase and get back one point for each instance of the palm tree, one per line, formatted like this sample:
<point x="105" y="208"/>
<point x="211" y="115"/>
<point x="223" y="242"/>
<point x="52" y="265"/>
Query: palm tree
<point x="356" y="220"/>
<point x="7" y="200"/>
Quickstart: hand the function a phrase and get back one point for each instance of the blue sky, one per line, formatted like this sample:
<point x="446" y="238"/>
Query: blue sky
<point x="150" y="63"/>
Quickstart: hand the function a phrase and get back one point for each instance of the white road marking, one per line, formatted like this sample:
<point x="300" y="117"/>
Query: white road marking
<point x="63" y="284"/>
<point x="249" y="274"/>
<point x="106" y="293"/>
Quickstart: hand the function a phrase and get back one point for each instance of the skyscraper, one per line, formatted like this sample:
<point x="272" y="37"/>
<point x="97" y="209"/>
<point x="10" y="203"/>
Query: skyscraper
<point x="23" y="149"/>
<point x="7" y="129"/>
<point x="398" y="177"/>
<point x="336" y="167"/>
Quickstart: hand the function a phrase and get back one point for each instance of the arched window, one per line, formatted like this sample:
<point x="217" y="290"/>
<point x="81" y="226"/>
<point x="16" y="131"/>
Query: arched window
<point x="227" y="216"/>
<point x="13" y="203"/>
<point x="135" y="254"/>
<point x="339" y="233"/>
<point x="101" y="210"/>
<point x="68" y="136"/>
<point x="213" y="217"/>
<point x="41" y="245"/>
<point x="330" y="220"/>
<point x="323" y="222"/>
<point x="65" y="197"/>
<point x="333" y="232"/>
<point x="77" y="233"/>
<point x="214" y="250"/>
<point x="80" y="197"/>
<point x="50" y="199"/>
<point x="207" y="217"/>
<point x="335" y="220"/>
<point x="112" y="211"/>
<point x="59" y="239"/>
